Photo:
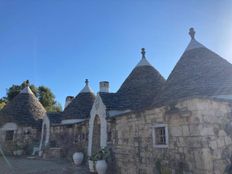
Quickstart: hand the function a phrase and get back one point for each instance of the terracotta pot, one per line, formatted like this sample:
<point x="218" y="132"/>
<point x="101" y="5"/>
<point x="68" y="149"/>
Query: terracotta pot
<point x="78" y="158"/>
<point x="91" y="166"/>
<point x="101" y="166"/>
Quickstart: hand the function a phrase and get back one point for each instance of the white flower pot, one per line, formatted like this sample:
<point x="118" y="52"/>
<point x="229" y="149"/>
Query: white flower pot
<point x="101" y="166"/>
<point x="78" y="158"/>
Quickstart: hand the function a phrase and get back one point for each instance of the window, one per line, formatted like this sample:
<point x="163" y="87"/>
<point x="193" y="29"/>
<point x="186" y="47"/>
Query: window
<point x="9" y="135"/>
<point x="160" y="136"/>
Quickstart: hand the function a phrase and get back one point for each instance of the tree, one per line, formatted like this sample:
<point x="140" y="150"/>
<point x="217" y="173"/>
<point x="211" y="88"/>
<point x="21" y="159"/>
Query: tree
<point x="2" y="103"/>
<point x="47" y="99"/>
<point x="43" y="93"/>
<point x="57" y="107"/>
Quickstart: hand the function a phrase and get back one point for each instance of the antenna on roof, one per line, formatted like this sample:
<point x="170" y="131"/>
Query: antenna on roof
<point x="192" y="33"/>
<point x="143" y="53"/>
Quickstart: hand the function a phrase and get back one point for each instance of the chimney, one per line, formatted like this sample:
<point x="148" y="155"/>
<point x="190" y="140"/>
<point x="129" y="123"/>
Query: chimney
<point x="68" y="100"/>
<point x="104" y="86"/>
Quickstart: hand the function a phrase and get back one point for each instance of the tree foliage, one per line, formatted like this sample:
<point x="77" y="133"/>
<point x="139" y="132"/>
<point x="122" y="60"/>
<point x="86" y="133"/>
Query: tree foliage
<point x="2" y="103"/>
<point x="43" y="93"/>
<point x="47" y="99"/>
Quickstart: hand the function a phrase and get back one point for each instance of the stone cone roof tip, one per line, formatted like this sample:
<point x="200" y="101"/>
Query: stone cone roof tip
<point x="27" y="90"/>
<point x="143" y="61"/>
<point x="193" y="43"/>
<point x="87" y="88"/>
<point x="141" y="86"/>
<point x="81" y="105"/>
<point x="199" y="73"/>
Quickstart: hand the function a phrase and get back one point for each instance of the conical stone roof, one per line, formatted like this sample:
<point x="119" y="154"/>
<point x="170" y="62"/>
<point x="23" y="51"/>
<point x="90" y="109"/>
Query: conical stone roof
<point x="25" y="109"/>
<point x="81" y="105"/>
<point x="142" y="85"/>
<point x="199" y="72"/>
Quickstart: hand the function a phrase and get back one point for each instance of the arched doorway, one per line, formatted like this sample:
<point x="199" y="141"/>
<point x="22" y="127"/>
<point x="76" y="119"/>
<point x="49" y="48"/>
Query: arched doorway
<point x="96" y="144"/>
<point x="97" y="127"/>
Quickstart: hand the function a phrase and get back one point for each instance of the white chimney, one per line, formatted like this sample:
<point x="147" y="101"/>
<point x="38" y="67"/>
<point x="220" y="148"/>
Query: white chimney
<point x="104" y="86"/>
<point x="68" y="100"/>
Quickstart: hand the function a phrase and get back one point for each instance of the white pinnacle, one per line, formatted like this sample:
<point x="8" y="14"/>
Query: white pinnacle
<point x="143" y="61"/>
<point x="87" y="88"/>
<point x="26" y="90"/>
<point x="193" y="43"/>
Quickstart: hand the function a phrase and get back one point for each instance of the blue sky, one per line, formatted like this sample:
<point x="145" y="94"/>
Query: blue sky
<point x="60" y="43"/>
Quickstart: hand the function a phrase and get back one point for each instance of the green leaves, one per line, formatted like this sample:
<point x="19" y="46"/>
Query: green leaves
<point x="102" y="154"/>
<point x="2" y="103"/>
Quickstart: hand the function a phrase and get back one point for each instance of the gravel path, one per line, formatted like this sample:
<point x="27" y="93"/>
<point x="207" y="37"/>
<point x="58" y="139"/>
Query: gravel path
<point x="39" y="166"/>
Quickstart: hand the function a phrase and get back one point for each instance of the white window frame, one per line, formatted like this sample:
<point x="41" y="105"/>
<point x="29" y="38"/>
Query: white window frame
<point x="154" y="135"/>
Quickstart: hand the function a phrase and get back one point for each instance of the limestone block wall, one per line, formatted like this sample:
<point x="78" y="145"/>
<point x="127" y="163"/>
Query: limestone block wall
<point x="199" y="139"/>
<point x="24" y="138"/>
<point x="72" y="138"/>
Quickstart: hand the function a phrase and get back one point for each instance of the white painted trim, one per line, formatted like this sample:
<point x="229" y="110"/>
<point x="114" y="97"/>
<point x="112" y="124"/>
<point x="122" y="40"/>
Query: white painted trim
<point x="46" y="122"/>
<point x="9" y="126"/>
<point x="143" y="62"/>
<point x="27" y="90"/>
<point x="166" y="136"/>
<point x="228" y="97"/>
<point x="194" y="44"/>
<point x="86" y="89"/>
<point x="71" y="121"/>
<point x="99" y="109"/>
<point x="114" y="113"/>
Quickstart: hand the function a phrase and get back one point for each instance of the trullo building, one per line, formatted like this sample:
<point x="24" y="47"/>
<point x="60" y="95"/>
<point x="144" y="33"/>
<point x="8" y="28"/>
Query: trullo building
<point x="20" y="125"/>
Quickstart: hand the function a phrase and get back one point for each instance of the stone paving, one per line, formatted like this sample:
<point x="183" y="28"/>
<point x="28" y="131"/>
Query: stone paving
<point x="39" y="166"/>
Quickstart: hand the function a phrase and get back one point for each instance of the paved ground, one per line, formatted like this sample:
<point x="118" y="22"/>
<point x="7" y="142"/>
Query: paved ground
<point x="39" y="166"/>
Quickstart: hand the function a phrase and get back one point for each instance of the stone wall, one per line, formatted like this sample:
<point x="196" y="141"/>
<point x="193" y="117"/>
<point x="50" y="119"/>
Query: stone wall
<point x="25" y="138"/>
<point x="71" y="138"/>
<point x="199" y="133"/>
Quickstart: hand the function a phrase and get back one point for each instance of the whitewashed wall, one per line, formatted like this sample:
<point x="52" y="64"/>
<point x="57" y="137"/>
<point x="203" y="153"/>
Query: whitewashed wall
<point x="98" y="109"/>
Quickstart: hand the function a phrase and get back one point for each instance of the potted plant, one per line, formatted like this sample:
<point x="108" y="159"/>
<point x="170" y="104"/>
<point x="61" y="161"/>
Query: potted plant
<point x="92" y="163"/>
<point x="43" y="152"/>
<point x="101" y="158"/>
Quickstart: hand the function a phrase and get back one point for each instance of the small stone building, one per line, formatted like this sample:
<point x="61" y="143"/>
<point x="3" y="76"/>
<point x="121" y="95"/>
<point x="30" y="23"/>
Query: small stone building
<point x="20" y="122"/>
<point x="181" y="125"/>
<point x="69" y="130"/>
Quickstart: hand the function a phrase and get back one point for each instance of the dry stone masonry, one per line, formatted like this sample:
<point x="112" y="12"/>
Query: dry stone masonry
<point x="182" y="125"/>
